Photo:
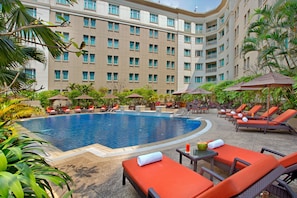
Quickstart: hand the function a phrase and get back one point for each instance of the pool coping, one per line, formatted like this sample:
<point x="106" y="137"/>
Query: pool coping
<point x="52" y="153"/>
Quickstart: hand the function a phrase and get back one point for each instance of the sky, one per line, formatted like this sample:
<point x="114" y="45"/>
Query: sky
<point x="201" y="5"/>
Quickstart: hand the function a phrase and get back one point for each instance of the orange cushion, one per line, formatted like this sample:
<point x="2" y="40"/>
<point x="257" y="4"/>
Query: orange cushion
<point x="241" y="180"/>
<point x="167" y="177"/>
<point x="227" y="153"/>
<point x="288" y="160"/>
<point x="257" y="122"/>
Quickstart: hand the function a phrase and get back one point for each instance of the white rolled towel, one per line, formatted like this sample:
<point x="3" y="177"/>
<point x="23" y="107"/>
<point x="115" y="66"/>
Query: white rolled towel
<point x="245" y="119"/>
<point x="223" y="110"/>
<point x="149" y="158"/>
<point x="215" y="144"/>
<point x="240" y="115"/>
<point x="233" y="112"/>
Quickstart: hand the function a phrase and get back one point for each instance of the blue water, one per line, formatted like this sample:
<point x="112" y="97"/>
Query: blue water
<point x="111" y="130"/>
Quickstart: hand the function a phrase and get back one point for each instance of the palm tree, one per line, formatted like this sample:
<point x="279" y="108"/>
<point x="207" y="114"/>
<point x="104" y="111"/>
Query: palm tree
<point x="273" y="36"/>
<point x="20" y="36"/>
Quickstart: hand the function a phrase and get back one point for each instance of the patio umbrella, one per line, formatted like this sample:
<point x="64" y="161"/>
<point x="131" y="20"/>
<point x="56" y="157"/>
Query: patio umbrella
<point x="239" y="87"/>
<point x="199" y="91"/>
<point x="134" y="95"/>
<point x="110" y="96"/>
<point x="180" y="92"/>
<point x="58" y="98"/>
<point x="84" y="97"/>
<point x="269" y="80"/>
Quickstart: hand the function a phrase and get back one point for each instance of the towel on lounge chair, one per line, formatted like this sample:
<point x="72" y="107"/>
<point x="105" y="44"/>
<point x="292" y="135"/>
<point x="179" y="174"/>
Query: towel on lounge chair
<point x="215" y="144"/>
<point x="149" y="158"/>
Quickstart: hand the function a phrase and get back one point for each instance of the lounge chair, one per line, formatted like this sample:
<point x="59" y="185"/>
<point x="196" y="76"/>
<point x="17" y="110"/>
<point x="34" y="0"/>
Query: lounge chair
<point x="167" y="178"/>
<point x="278" y="123"/>
<point x="223" y="112"/>
<point x="65" y="110"/>
<point x="238" y="110"/>
<point x="91" y="108"/>
<point x="51" y="111"/>
<point x="77" y="109"/>
<point x="252" y="112"/>
<point x="266" y="115"/>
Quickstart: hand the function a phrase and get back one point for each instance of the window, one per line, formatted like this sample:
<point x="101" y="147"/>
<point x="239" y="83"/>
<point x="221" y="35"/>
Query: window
<point x="93" y="23"/>
<point x="187" y="39"/>
<point x="187" y="66"/>
<point x="155" y="78"/>
<point x="136" y="77"/>
<point x="115" y="76"/>
<point x="221" y="77"/>
<point x="32" y="12"/>
<point x="109" y="43"/>
<point x="173" y="51"/>
<point x="155" y="63"/>
<point x="168" y="51"/>
<point x="170" y="37"/>
<point x="137" y="62"/>
<point x="168" y="64"/>
<point x="150" y="77"/>
<point x="57" y="74"/>
<point x="199" y="40"/>
<point x="86" y="22"/>
<point x="92" y="40"/>
<point x="116" y="43"/>
<point x="155" y="48"/>
<point x="90" y="4"/>
<point x="65" y="74"/>
<point x="150" y="62"/>
<point x="65" y="2"/>
<point x="134" y="46"/>
<point x="131" y="77"/>
<point x="187" y="27"/>
<point x="198" y="79"/>
<point x="115" y="60"/>
<point x="153" y="18"/>
<point x="198" y="53"/>
<point x="109" y="60"/>
<point x="113" y="9"/>
<point x="109" y="76"/>
<point x="66" y="36"/>
<point x="92" y="58"/>
<point x="85" y="58"/>
<point x="92" y="76"/>
<point x="199" y="28"/>
<point x="221" y="48"/>
<point x="86" y="39"/>
<point x="30" y="73"/>
<point x="135" y="14"/>
<point x="187" y="79"/>
<point x="153" y="33"/>
<point x="170" y="22"/>
<point x="134" y="30"/>
<point x="113" y="27"/>
<point x="221" y="63"/>
<point x="198" y="66"/>
<point x="66" y="56"/>
<point x="187" y="52"/>
<point x="151" y="46"/>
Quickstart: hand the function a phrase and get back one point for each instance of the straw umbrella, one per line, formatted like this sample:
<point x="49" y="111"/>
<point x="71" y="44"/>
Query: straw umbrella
<point x="135" y="96"/>
<point x="58" y="99"/>
<point x="110" y="97"/>
<point x="84" y="97"/>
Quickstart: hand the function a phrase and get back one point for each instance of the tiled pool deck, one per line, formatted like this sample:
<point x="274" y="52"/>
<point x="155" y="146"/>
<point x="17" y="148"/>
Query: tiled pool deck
<point x="97" y="170"/>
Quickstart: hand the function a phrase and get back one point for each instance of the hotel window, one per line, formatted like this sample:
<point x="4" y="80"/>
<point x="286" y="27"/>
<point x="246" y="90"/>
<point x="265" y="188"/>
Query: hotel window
<point x="30" y="73"/>
<point x="221" y="63"/>
<point x="168" y="51"/>
<point x="109" y="60"/>
<point x="199" y="28"/>
<point x="155" y="48"/>
<point x="150" y="62"/>
<point x="109" y="76"/>
<point x="172" y="79"/>
<point x="137" y="62"/>
<point x="173" y="51"/>
<point x="115" y="76"/>
<point x="65" y="74"/>
<point x="93" y="23"/>
<point x="134" y="30"/>
<point x="92" y="58"/>
<point x="66" y="56"/>
<point x="32" y="12"/>
<point x="92" y="40"/>
<point x="198" y="40"/>
<point x="115" y="60"/>
<point x="65" y="2"/>
<point x="198" y="79"/>
<point x="116" y="44"/>
<point x="198" y="53"/>
<point x="86" y="22"/>
<point x="168" y="78"/>
<point x="85" y="58"/>
<point x="187" y="52"/>
<point x="187" y="27"/>
<point x="113" y="27"/>
<point x="221" y="77"/>
<point x="198" y="66"/>
<point x="170" y="22"/>
<point x="86" y="39"/>
<point x="137" y="46"/>
<point x="155" y="78"/>
<point x="150" y="77"/>
<point x="151" y="47"/>
<point x="131" y="77"/>
<point x="168" y="64"/>
<point x="109" y="43"/>
<point x="172" y="64"/>
<point x="187" y="66"/>
<point x="113" y="9"/>
<point x="92" y="76"/>
<point x="155" y="63"/>
<point x="60" y="18"/>
<point x="57" y="74"/>
<point x="221" y="48"/>
<point x="134" y="46"/>
<point x="153" y="33"/>
<point x="66" y="37"/>
<point x="187" y="39"/>
<point x="90" y="4"/>
<point x="187" y="79"/>
<point x="135" y="14"/>
<point x="136" y="77"/>
<point x="153" y="18"/>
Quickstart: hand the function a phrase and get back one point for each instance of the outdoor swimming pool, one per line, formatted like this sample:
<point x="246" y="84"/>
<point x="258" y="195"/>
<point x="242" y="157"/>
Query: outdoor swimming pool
<point x="114" y="130"/>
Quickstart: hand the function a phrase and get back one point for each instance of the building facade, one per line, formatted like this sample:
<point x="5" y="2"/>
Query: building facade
<point x="135" y="43"/>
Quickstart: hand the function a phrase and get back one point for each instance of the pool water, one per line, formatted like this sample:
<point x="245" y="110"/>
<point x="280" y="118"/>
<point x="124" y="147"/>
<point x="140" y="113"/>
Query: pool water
<point x="112" y="130"/>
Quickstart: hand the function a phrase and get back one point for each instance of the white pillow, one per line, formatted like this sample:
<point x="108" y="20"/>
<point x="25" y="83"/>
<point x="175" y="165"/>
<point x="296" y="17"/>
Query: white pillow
<point x="223" y="110"/>
<point x="240" y="115"/>
<point x="215" y="144"/>
<point x="149" y="158"/>
<point x="245" y="119"/>
<point x="233" y="112"/>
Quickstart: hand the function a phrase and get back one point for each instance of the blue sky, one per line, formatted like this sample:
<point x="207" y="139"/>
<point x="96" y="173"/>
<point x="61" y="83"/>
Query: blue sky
<point x="202" y="5"/>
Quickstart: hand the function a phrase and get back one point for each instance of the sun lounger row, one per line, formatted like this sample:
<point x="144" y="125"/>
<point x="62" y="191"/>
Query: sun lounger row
<point x="167" y="178"/>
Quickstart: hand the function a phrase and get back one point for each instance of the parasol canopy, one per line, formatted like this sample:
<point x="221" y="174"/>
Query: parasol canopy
<point x="199" y="91"/>
<point x="84" y="97"/>
<point x="134" y="95"/>
<point x="180" y="92"/>
<point x="239" y="87"/>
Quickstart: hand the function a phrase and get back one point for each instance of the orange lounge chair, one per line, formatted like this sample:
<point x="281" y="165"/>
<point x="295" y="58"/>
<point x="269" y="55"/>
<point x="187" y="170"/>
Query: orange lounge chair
<point x="167" y="178"/>
<point x="277" y="123"/>
<point x="238" y="110"/>
<point x="91" y="108"/>
<point x="65" y="110"/>
<point x="267" y="114"/>
<point x="51" y="111"/>
<point x="77" y="109"/>
<point x="252" y="112"/>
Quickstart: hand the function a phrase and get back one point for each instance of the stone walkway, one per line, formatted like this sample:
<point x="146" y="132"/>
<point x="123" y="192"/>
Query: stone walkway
<point x="96" y="176"/>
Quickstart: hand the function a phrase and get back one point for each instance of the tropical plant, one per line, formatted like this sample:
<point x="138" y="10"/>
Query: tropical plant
<point x="23" y="171"/>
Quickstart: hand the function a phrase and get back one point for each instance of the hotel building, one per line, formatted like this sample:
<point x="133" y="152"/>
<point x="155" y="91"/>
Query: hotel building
<point x="135" y="43"/>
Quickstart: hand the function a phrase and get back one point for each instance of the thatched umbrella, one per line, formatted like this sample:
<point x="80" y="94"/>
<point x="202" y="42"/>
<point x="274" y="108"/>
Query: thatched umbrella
<point x="84" y="97"/>
<point x="59" y="100"/>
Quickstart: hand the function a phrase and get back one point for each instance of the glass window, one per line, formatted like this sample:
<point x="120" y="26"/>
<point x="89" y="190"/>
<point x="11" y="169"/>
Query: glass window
<point x="137" y="30"/>
<point x="66" y="17"/>
<point x="66" y="56"/>
<point x="222" y="62"/>
<point x="187" y="39"/>
<point x="90" y="4"/>
<point x="198" y="40"/>
<point x="131" y="61"/>
<point x="109" y="43"/>
<point x="150" y="62"/>
<point x="130" y="77"/>
<point x="199" y="28"/>
<point x="92" y="76"/>
<point x="109" y="76"/>
<point x="66" y="37"/>
<point x="136" y="77"/>
<point x="172" y="65"/>
<point x="116" y="27"/>
<point x="85" y="58"/>
<point x="110" y="26"/>
<point x="32" y="12"/>
<point x="93" y="23"/>
<point x="168" y="50"/>
<point x="187" y="27"/>
<point x="221" y="76"/>
<point x="92" y="58"/>
<point x="132" y="47"/>
<point x="198" y="53"/>
<point x="150" y="77"/>
<point x="187" y="52"/>
<point x="115" y="76"/>
<point x="168" y="78"/>
<point x="65" y="74"/>
<point x="93" y="40"/>
<point x="168" y="64"/>
<point x="187" y="79"/>
<point x="137" y="44"/>
<point x="153" y="18"/>
<point x="198" y="79"/>
<point x="187" y="66"/>
<point x="155" y="78"/>
<point x="30" y="73"/>
<point x="86" y="22"/>
<point x="115" y="60"/>
<point x="113" y="9"/>
<point x="198" y="66"/>
<point x="57" y="74"/>
<point x="86" y="39"/>
<point x="109" y="60"/>
<point x="136" y="61"/>
<point x="173" y="51"/>
<point x="156" y="33"/>
<point x="155" y="63"/>
<point x="116" y="43"/>
<point x="151" y="46"/>
<point x="58" y="57"/>
<point x="172" y="79"/>
<point x="59" y="17"/>
<point x="156" y="48"/>
<point x="170" y="22"/>
<point x="132" y="29"/>
<point x="62" y="2"/>
<point x="151" y="33"/>
<point x="85" y="75"/>
<point x="135" y="14"/>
